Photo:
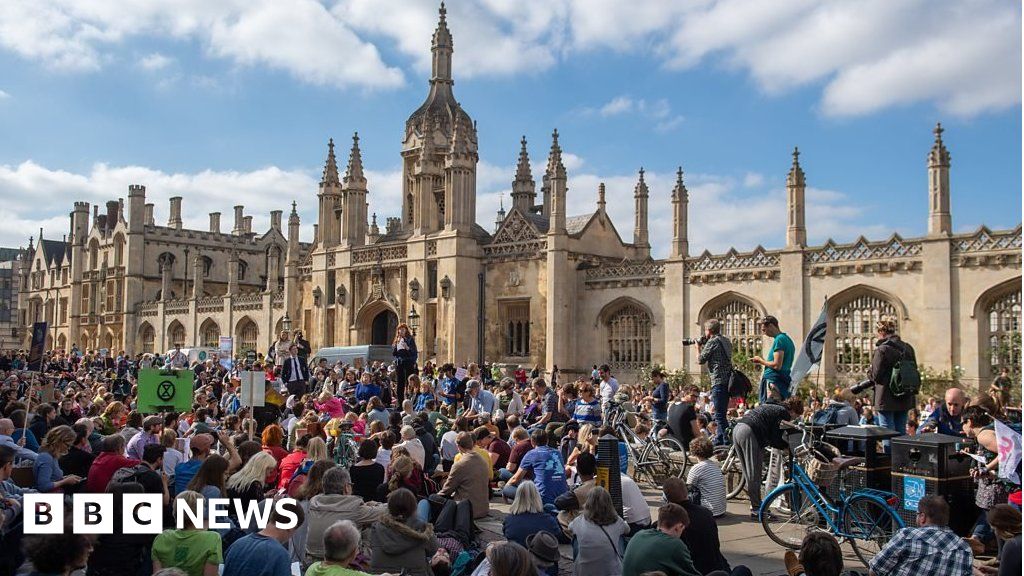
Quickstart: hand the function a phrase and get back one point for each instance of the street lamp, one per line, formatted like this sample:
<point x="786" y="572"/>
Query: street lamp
<point x="414" y="319"/>
<point x="286" y="323"/>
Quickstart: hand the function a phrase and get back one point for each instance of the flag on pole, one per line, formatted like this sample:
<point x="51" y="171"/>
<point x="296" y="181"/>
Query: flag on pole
<point x="814" y="346"/>
<point x="1008" y="441"/>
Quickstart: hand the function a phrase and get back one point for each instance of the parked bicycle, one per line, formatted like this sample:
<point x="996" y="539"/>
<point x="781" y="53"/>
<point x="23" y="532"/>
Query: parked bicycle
<point x="866" y="517"/>
<point x="654" y="458"/>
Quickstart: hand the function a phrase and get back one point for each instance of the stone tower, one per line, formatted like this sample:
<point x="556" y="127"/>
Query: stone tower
<point x="796" y="230"/>
<point x="641" y="237"/>
<point x="939" y="220"/>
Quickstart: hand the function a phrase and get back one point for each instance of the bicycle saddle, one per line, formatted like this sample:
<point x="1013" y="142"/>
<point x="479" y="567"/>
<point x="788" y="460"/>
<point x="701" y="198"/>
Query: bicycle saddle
<point x="844" y="462"/>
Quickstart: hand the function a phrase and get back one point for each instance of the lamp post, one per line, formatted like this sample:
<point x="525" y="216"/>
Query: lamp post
<point x="414" y="320"/>
<point x="286" y="323"/>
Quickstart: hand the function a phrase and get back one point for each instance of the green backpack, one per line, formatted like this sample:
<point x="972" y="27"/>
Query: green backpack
<point x="905" y="379"/>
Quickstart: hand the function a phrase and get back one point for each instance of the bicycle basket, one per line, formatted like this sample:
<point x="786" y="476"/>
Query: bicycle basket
<point x="821" y="473"/>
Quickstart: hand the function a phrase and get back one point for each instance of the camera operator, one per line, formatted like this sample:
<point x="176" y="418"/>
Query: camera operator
<point x="716" y="351"/>
<point x="889" y="349"/>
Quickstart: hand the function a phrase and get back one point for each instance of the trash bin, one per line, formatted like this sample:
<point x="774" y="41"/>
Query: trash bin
<point x="876" y="470"/>
<point x="931" y="464"/>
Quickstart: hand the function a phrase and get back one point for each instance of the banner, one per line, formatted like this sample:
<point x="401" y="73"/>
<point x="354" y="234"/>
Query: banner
<point x="814" y="345"/>
<point x="165" y="390"/>
<point x="35" y="353"/>
<point x="254" y="388"/>
<point x="224" y="348"/>
<point x="1008" y="441"/>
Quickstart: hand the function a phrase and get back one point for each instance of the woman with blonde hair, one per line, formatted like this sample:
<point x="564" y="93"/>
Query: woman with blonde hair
<point x="281" y="347"/>
<point x="527" y="516"/>
<point x="586" y="441"/>
<point x="404" y="350"/>
<point x="172" y="456"/>
<point x="193" y="549"/>
<point x="316" y="450"/>
<point x="49" y="476"/>
<point x="250" y="483"/>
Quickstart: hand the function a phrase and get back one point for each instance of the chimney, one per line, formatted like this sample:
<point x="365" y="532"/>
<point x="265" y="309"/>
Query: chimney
<point x="275" y="219"/>
<point x="247" y="228"/>
<point x="175" y="220"/>
<point x="148" y="216"/>
<point x="215" y="222"/>
<point x="239" y="225"/>
<point x="112" y="210"/>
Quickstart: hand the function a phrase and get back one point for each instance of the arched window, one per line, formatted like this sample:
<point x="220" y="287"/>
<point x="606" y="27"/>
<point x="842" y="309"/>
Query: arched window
<point x="209" y="334"/>
<point x="515" y="319"/>
<point x="248" y="335"/>
<point x="1004" y="347"/>
<point x="854" y="333"/>
<point x="629" y="338"/>
<point x="176" y="334"/>
<point x="147" y="338"/>
<point x="739" y="325"/>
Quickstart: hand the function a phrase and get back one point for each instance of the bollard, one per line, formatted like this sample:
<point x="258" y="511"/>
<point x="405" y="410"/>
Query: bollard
<point x="608" y="475"/>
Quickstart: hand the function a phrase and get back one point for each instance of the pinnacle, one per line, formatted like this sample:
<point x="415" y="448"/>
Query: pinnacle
<point x="354" y="171"/>
<point x="796" y="156"/>
<point x="523" y="173"/>
<point x="679" y="176"/>
<point x="938" y="131"/>
<point x="641" y="186"/>
<point x="330" y="175"/>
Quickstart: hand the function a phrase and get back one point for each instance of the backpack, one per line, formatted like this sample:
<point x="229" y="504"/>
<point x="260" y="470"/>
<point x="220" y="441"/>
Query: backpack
<point x="128" y="473"/>
<point x="829" y="415"/>
<point x="739" y="384"/>
<point x="905" y="379"/>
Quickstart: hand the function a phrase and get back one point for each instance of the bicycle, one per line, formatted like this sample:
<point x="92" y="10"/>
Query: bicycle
<point x="866" y="517"/>
<point x="732" y="469"/>
<point x="654" y="457"/>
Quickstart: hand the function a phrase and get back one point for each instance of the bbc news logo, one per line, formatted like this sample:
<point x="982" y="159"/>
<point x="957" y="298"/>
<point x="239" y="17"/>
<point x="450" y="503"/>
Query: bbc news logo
<point x="144" y="513"/>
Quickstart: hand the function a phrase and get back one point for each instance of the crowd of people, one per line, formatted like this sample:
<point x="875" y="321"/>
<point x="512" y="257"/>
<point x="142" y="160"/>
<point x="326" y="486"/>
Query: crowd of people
<point x="390" y="464"/>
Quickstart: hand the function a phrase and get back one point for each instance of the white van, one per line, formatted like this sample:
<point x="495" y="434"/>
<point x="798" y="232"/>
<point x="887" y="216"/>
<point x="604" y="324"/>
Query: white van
<point x="197" y="354"/>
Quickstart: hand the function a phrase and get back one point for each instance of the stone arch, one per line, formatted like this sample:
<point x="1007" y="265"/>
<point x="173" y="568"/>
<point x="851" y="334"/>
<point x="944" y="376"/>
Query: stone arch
<point x="998" y="313"/>
<point x="62" y="342"/>
<point x="107" y="341"/>
<point x="147" y="338"/>
<point x="85" y="343"/>
<point x="119" y="245"/>
<point x="850" y="338"/>
<point x="247" y="335"/>
<point x="176" y="335"/>
<point x="94" y="254"/>
<point x="209" y="333"/>
<point x="738" y="314"/>
<point x="380" y="314"/>
<point x="627" y="324"/>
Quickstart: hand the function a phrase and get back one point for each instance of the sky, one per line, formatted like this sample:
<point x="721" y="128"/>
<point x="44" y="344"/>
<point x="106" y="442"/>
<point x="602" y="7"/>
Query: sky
<point x="230" y="102"/>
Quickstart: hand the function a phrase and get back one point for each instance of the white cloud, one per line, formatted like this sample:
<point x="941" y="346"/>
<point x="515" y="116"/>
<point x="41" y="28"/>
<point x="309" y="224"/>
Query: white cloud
<point x="155" y="61"/>
<point x="657" y="112"/>
<point x="753" y="180"/>
<point x="4" y="95"/>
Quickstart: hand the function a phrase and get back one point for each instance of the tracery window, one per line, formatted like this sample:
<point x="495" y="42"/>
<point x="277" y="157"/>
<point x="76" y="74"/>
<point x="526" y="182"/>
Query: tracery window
<point x="515" y="320"/>
<point x="177" y="335"/>
<point x="210" y="334"/>
<point x="1004" y="346"/>
<point x="629" y="338"/>
<point x="148" y="339"/>
<point x="854" y="333"/>
<point x="248" y="334"/>
<point x="739" y="325"/>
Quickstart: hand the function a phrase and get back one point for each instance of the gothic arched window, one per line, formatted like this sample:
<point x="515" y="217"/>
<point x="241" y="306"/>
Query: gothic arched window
<point x="629" y="338"/>
<point x="176" y="333"/>
<point x="147" y="339"/>
<point x="1004" y="346"/>
<point x="854" y="335"/>
<point x="209" y="334"/>
<point x="739" y="325"/>
<point x="248" y="334"/>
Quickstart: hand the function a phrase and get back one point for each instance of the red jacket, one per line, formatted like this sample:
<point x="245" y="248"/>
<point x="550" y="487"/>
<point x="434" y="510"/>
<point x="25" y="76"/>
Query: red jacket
<point x="288" y="467"/>
<point x="103" y="468"/>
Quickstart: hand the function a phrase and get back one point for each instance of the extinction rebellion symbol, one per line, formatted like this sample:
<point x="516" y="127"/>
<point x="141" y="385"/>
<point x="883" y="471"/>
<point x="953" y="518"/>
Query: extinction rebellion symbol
<point x="165" y="390"/>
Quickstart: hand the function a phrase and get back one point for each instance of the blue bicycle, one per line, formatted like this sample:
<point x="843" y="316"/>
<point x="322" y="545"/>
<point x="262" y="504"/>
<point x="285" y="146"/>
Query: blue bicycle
<point x="866" y="517"/>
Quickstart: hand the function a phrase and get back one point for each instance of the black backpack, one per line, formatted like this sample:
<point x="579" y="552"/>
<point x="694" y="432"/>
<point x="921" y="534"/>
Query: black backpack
<point x="739" y="384"/>
<point x="905" y="379"/>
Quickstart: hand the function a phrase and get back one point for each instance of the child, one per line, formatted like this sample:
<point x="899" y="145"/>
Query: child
<point x="425" y="393"/>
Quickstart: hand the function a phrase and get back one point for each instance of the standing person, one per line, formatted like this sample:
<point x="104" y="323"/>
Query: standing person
<point x="304" y="348"/>
<point x="716" y="353"/>
<point x="404" y="350"/>
<point x="930" y="548"/>
<point x="294" y="372"/>
<point x="598" y="537"/>
<point x="760" y="427"/>
<point x="609" y="386"/>
<point x="776" y="382"/>
<point x="659" y="396"/>
<point x="281" y="347"/>
<point x="991" y="490"/>
<point x="889" y="349"/>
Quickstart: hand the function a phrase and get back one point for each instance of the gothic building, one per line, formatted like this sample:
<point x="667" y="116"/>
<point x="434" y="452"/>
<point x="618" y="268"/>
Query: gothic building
<point x="545" y="288"/>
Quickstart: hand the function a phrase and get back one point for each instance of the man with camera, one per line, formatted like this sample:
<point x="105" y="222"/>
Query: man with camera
<point x="715" y="351"/>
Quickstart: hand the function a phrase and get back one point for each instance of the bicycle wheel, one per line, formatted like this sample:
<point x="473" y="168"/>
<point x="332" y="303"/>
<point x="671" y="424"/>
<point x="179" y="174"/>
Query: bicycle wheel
<point x="735" y="483"/>
<point x="652" y="464"/>
<point x="869" y="524"/>
<point x="789" y="516"/>
<point x="674" y="455"/>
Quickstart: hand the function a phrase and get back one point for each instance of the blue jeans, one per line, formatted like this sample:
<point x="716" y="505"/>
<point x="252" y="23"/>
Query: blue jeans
<point x="423" y="510"/>
<point x="982" y="530"/>
<point x="504" y="475"/>
<point x="894" y="420"/>
<point x="720" y="398"/>
<point x="783" y="388"/>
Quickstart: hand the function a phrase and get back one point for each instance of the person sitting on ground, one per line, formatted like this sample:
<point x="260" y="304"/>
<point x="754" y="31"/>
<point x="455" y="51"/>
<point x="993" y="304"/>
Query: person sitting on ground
<point x="929" y="548"/>
<point x="819" y="555"/>
<point x="598" y="537"/>
<point x="702" y="535"/>
<point x="469" y="477"/>
<point x="109" y="461"/>
<point x="413" y="444"/>
<point x="264" y="553"/>
<point x="571" y="503"/>
<point x="58" y="553"/>
<point x="660" y="548"/>
<point x="706" y="476"/>
<point x="48" y="474"/>
<point x="336" y="503"/>
<point x="527" y="517"/>
<point x="341" y="545"/>
<point x="545" y="463"/>
<point x="401" y="541"/>
<point x="1005" y="521"/>
<point x="194" y="549"/>
<point x="209" y="479"/>
<point x="367" y="474"/>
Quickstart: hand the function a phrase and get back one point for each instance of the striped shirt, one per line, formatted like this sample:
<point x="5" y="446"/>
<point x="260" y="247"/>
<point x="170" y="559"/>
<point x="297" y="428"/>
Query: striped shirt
<point x="587" y="412"/>
<point x="707" y="477"/>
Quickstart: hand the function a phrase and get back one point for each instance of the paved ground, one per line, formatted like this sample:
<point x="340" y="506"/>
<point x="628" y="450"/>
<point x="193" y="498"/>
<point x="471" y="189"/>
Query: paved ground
<point x="743" y="541"/>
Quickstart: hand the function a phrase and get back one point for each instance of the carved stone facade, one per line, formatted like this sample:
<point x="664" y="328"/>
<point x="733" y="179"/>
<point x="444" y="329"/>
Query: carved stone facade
<point x="545" y="288"/>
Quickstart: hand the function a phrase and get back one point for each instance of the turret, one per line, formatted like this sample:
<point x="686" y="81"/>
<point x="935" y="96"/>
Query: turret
<point x="640" y="196"/>
<point x="940" y="220"/>
<point x="136" y="208"/>
<point x="680" y="209"/>
<point x="330" y="200"/>
<point x="796" y="231"/>
<point x="557" y="181"/>
<point x="353" y="209"/>
<point x="175" y="220"/>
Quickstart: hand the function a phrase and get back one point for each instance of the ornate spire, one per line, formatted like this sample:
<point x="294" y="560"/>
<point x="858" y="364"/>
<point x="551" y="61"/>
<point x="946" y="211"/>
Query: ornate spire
<point x="374" y="229"/>
<point x="555" y="167"/>
<point x="796" y="174"/>
<point x="441" y="46"/>
<point x="293" y="218"/>
<point x="641" y="189"/>
<point x="938" y="156"/>
<point x="330" y="175"/>
<point x="354" y="171"/>
<point x="679" y="193"/>
<point x="523" y="173"/>
<point x="500" y="215"/>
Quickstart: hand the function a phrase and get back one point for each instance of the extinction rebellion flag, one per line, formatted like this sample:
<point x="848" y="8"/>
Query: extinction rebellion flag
<point x="811" y="351"/>
<point x="1008" y="441"/>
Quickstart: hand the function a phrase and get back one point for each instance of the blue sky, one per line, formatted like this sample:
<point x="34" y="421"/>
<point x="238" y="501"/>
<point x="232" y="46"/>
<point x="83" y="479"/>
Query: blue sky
<point x="232" y="102"/>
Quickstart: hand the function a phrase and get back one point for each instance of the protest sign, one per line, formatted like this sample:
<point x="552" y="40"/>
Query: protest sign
<point x="165" y="390"/>
<point x="254" y="387"/>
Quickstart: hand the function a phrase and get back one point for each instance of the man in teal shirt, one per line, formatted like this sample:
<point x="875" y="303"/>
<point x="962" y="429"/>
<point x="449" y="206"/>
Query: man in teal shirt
<point x="660" y="549"/>
<point x="776" y="383"/>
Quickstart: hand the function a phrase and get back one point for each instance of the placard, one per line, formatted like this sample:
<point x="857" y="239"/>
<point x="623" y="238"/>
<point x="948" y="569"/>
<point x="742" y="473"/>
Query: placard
<point x="461" y="373"/>
<point x="254" y="388"/>
<point x="165" y="390"/>
<point x="35" y="352"/>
